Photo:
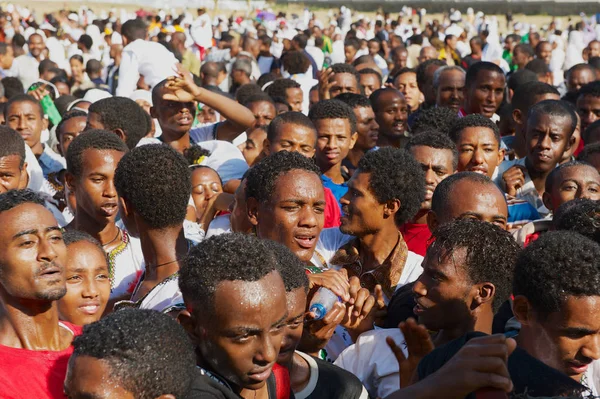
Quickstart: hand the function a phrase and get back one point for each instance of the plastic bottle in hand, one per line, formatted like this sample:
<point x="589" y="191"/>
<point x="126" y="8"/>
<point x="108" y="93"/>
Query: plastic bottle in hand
<point x="323" y="302"/>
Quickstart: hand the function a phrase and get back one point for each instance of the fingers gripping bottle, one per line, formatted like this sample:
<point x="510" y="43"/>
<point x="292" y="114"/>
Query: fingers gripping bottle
<point x="322" y="302"/>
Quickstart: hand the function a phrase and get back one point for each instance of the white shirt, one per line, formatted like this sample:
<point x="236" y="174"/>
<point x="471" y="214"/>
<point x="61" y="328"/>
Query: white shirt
<point x="201" y="31"/>
<point x="127" y="262"/>
<point x="149" y="59"/>
<point x="317" y="55"/>
<point x="219" y="225"/>
<point x="25" y="67"/>
<point x="373" y="362"/>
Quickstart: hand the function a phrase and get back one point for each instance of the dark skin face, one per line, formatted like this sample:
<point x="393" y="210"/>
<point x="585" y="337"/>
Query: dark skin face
<point x="366" y="127"/>
<point x="294" y="215"/>
<point x="296" y="305"/>
<point x="370" y="83"/>
<point x="334" y="140"/>
<point x="264" y="112"/>
<point x="94" y="190"/>
<point x="485" y="94"/>
<point x="407" y="84"/>
<point x="36" y="45"/>
<point x="11" y="172"/>
<point x="444" y="292"/>
<point x="588" y="108"/>
<point x="242" y="338"/>
<point x="294" y="97"/>
<point x="485" y="203"/>
<point x="547" y="137"/>
<point x="567" y="340"/>
<point x="33" y="255"/>
<point x="437" y="165"/>
<point x="69" y="130"/>
<point x="26" y="118"/>
<point x="572" y="183"/>
<point x="392" y="115"/>
<point x="294" y="138"/>
<point x="579" y="78"/>
<point x="521" y="58"/>
<point x="451" y="90"/>
<point x="544" y="51"/>
<point x="478" y="151"/>
<point x="239" y="211"/>
<point x="343" y="83"/>
<point x="175" y="118"/>
<point x="88" y="377"/>
<point x="253" y="146"/>
<point x="427" y="88"/>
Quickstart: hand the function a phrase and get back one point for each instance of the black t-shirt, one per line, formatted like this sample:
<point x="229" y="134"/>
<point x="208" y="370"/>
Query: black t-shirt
<point x="330" y="382"/>
<point x="214" y="387"/>
<point x="528" y="374"/>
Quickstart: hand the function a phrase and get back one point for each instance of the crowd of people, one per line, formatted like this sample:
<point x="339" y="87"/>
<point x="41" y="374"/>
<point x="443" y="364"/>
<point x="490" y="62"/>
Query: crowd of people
<point x="177" y="190"/>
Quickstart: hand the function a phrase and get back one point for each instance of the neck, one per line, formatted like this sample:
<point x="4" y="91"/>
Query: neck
<point x="333" y="172"/>
<point x="29" y="324"/>
<point x="376" y="248"/>
<point x="299" y="370"/>
<point x="387" y="141"/>
<point x="37" y="149"/>
<point x="160" y="247"/>
<point x="176" y="140"/>
<point x="103" y="232"/>
<point x="480" y="320"/>
<point x="421" y="217"/>
<point x="209" y="82"/>
<point x="538" y="178"/>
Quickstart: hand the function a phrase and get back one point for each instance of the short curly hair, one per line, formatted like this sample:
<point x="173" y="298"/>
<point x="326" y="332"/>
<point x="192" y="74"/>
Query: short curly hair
<point x="122" y="113"/>
<point x="581" y="215"/>
<point x="262" y="177"/>
<point x="148" y="353"/>
<point x="588" y="152"/>
<point x="556" y="172"/>
<point x="194" y="153"/>
<point x="226" y="257"/>
<point x="557" y="109"/>
<point x="12" y="144"/>
<point x="434" y="139"/>
<point x="592" y="129"/>
<point x="333" y="109"/>
<point x="559" y="264"/>
<point x="354" y="100"/>
<point x="295" y="62"/>
<point x="67" y="116"/>
<point x="279" y="87"/>
<point x="437" y="118"/>
<point x="346" y="68"/>
<point x="292" y="118"/>
<point x="395" y="174"/>
<point x="13" y="198"/>
<point x="473" y="120"/>
<point x="246" y="91"/>
<point x="490" y="253"/>
<point x="290" y="267"/>
<point x="590" y="89"/>
<point x="94" y="139"/>
<point x="156" y="180"/>
<point x="73" y="236"/>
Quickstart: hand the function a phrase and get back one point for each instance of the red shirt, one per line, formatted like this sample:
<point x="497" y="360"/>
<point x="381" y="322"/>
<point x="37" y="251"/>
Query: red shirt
<point x="416" y="236"/>
<point x="34" y="374"/>
<point x="332" y="210"/>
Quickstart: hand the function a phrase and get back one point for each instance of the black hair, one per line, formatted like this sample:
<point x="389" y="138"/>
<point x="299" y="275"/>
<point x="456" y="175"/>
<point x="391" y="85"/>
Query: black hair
<point x="12" y="144"/>
<point x="525" y="95"/>
<point x="63" y="102"/>
<point x="290" y="267"/>
<point x="67" y="116"/>
<point x="301" y="39"/>
<point x="595" y="63"/>
<point x="354" y="100"/>
<point x="444" y="190"/>
<point x="23" y="98"/>
<point x="246" y="91"/>
<point x="581" y="215"/>
<point x="156" y="180"/>
<point x="225" y="257"/>
<point x="395" y="174"/>
<point x="555" y="108"/>
<point x="524" y="48"/>
<point x="122" y="113"/>
<point x="333" y="109"/>
<point x="74" y="236"/>
<point x="262" y="177"/>
<point x="437" y="118"/>
<point x="148" y="353"/>
<point x="46" y="65"/>
<point x="93" y="67"/>
<point x="194" y="153"/>
<point x="370" y="71"/>
<point x="422" y="69"/>
<point x="13" y="198"/>
<point x="134" y="29"/>
<point x="77" y="57"/>
<point x="538" y="66"/>
<point x="549" y="185"/>
<point x="346" y="68"/>
<point x="473" y="120"/>
<point x="279" y="86"/>
<point x="588" y="151"/>
<point x="258" y="98"/>
<point x="295" y="62"/>
<point x="4" y="48"/>
<point x="519" y="78"/>
<point x="476" y="68"/>
<point x="86" y="41"/>
<point x="352" y="42"/>
<point x="595" y="126"/>
<point x="292" y="118"/>
<point x="281" y="100"/>
<point x="12" y="87"/>
<point x="490" y="253"/>
<point x="557" y="265"/>
<point x="434" y="139"/>
<point x="266" y="78"/>
<point x="578" y="67"/>
<point x="590" y="89"/>
<point x="93" y="139"/>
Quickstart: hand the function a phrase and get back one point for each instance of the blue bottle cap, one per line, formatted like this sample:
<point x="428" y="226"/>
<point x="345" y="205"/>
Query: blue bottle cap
<point x="319" y="310"/>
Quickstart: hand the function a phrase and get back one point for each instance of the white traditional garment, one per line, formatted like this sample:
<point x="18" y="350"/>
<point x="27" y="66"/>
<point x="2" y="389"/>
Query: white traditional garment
<point x="125" y="265"/>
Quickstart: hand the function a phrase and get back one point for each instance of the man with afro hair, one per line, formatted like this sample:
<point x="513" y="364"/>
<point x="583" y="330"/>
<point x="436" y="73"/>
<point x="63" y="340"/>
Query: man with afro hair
<point x="289" y="90"/>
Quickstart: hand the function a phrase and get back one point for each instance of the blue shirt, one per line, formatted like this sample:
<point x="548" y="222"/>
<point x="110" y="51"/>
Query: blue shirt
<point x="338" y="190"/>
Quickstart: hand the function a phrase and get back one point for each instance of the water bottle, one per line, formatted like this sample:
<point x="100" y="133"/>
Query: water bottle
<point x="323" y="302"/>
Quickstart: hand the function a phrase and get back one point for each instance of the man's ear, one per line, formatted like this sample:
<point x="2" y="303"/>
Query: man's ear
<point x="353" y="139"/>
<point x="23" y="177"/>
<point x="45" y="122"/>
<point x="432" y="222"/>
<point x="547" y="200"/>
<point x="522" y="310"/>
<point x="391" y="208"/>
<point x="266" y="147"/>
<point x="70" y="181"/>
<point x="252" y="207"/>
<point x="121" y="134"/>
<point x="518" y="117"/>
<point x="187" y="320"/>
<point x="153" y="113"/>
<point x="485" y="293"/>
